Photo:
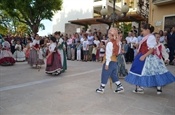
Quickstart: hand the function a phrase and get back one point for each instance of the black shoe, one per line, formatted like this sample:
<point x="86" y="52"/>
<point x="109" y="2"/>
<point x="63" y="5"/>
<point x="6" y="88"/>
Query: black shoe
<point x="139" y="90"/>
<point x="100" y="90"/>
<point x="119" y="89"/>
<point x="159" y="91"/>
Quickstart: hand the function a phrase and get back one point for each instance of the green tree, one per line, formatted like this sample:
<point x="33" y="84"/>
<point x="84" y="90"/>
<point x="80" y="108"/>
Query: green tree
<point x="125" y="28"/>
<point x="11" y="25"/>
<point x="31" y="12"/>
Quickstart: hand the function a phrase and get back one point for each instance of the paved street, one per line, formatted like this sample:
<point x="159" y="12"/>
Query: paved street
<point x="27" y="91"/>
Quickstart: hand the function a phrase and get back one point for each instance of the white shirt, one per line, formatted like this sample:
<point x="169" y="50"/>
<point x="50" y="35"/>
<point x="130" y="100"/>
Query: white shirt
<point x="97" y="42"/>
<point x="109" y="49"/>
<point x="162" y="39"/>
<point x="60" y="41"/>
<point x="128" y="39"/>
<point x="90" y="39"/>
<point x="151" y="41"/>
<point x="81" y="40"/>
<point x="85" y="45"/>
<point x="52" y="47"/>
<point x="35" y="42"/>
<point x="133" y="40"/>
<point x="18" y="46"/>
<point x="30" y="45"/>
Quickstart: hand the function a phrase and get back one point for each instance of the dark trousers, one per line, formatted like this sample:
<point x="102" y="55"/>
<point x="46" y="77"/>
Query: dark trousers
<point x="82" y="55"/>
<point x="93" y="57"/>
<point x="130" y="55"/>
<point x="172" y="53"/>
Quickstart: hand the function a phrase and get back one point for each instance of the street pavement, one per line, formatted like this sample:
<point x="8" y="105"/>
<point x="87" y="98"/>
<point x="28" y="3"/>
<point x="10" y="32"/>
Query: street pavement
<point x="27" y="91"/>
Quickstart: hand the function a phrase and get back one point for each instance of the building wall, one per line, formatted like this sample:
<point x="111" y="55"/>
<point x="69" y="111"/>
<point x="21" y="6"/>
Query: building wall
<point x="157" y="14"/>
<point x="71" y="28"/>
<point x="72" y="10"/>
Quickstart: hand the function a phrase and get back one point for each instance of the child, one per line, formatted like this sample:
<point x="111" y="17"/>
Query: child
<point x="102" y="50"/>
<point x="110" y="66"/>
<point x="78" y="51"/>
<point x="41" y="53"/>
<point x="28" y="47"/>
<point x="85" y="47"/>
<point x="94" y="51"/>
<point x="160" y="50"/>
<point x="148" y="70"/>
<point x="19" y="54"/>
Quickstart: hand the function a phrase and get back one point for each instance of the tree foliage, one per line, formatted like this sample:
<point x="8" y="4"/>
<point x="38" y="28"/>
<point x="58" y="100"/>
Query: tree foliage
<point x="31" y="12"/>
<point x="11" y="25"/>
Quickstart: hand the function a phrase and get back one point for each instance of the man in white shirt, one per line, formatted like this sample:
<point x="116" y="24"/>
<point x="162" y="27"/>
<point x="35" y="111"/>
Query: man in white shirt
<point x="90" y="40"/>
<point x="132" y="43"/>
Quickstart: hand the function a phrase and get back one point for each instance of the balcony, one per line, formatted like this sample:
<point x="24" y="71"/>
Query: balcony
<point x="162" y="2"/>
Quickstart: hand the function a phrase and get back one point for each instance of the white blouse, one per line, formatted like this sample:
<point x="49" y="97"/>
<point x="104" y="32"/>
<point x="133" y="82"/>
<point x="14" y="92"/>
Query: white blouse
<point x="151" y="41"/>
<point x="52" y="47"/>
<point x="109" y="49"/>
<point x="163" y="51"/>
<point x="18" y="46"/>
<point x="35" y="42"/>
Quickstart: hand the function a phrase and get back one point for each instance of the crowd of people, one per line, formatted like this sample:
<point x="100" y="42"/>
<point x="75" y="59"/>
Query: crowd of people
<point x="148" y="68"/>
<point x="146" y="52"/>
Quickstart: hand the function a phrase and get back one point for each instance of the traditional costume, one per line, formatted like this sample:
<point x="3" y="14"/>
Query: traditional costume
<point x="112" y="50"/>
<point x="150" y="72"/>
<point x="35" y="55"/>
<point x="19" y="54"/>
<point x="53" y="62"/>
<point x="6" y="57"/>
<point x="61" y="47"/>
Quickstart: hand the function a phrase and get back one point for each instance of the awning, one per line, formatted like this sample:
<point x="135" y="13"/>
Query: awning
<point x="91" y="21"/>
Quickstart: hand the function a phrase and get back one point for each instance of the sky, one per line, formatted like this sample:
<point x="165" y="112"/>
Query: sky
<point x="48" y="28"/>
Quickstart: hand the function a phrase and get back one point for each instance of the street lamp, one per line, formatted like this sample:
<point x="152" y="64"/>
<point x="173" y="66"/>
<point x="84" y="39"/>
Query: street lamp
<point x="114" y="16"/>
<point x="104" y="12"/>
<point x="125" y="9"/>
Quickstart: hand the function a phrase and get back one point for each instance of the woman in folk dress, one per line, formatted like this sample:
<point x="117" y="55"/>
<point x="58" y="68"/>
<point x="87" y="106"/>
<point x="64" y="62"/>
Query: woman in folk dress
<point x="19" y="54"/>
<point x="6" y="57"/>
<point x="34" y="53"/>
<point x="148" y="70"/>
<point x="53" y="59"/>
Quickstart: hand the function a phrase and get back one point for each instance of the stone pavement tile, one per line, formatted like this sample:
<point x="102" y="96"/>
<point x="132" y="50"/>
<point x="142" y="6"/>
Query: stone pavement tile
<point x="115" y="102"/>
<point x="137" y="111"/>
<point x="169" y="111"/>
<point x="93" y="104"/>
<point x="152" y="104"/>
<point x="171" y="102"/>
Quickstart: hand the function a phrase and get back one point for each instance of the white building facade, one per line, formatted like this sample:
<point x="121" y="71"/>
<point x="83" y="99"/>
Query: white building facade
<point x="72" y="10"/>
<point x="82" y="9"/>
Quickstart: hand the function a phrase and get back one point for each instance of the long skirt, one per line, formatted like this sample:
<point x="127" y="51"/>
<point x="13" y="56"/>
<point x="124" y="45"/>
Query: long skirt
<point x="34" y="58"/>
<point x="53" y="63"/>
<point x="19" y="56"/>
<point x="6" y="58"/>
<point x="63" y="59"/>
<point x="149" y="73"/>
<point x="97" y="54"/>
<point x="27" y="53"/>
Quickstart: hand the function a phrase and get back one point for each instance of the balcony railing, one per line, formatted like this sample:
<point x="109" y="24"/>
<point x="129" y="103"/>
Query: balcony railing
<point x="162" y="2"/>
